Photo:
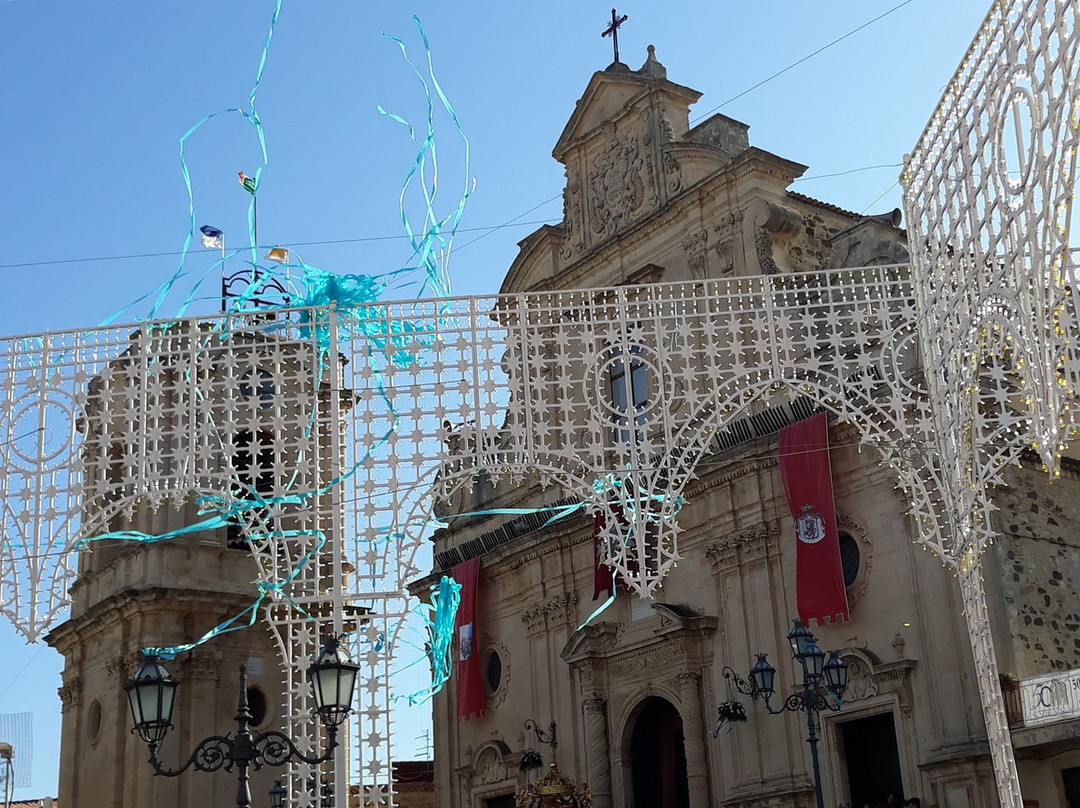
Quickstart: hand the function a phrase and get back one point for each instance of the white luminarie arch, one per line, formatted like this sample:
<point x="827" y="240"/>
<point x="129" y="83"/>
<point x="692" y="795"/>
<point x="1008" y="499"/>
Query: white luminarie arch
<point x="950" y="369"/>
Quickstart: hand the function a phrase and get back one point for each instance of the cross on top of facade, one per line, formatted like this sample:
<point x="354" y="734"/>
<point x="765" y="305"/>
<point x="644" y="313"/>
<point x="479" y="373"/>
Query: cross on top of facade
<point x="613" y="30"/>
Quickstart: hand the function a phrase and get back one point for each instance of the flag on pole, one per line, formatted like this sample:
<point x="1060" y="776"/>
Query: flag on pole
<point x="248" y="183"/>
<point x="470" y="683"/>
<point x="212" y="238"/>
<point x="279" y="255"/>
<point x="807" y="476"/>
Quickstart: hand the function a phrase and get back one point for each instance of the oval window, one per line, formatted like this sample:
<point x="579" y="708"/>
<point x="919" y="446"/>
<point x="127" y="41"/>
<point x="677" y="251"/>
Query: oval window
<point x="493" y="671"/>
<point x="93" y="720"/>
<point x="849" y="558"/>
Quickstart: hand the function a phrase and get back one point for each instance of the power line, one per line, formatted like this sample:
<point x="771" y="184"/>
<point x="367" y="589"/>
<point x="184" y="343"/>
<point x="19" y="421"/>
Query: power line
<point x="804" y="59"/>
<point x="849" y="171"/>
<point x="362" y="239"/>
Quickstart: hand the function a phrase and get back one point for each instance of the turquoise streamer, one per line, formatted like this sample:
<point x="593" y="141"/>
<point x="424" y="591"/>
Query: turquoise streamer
<point x="445" y="599"/>
<point x="252" y="116"/>
<point x="355" y="299"/>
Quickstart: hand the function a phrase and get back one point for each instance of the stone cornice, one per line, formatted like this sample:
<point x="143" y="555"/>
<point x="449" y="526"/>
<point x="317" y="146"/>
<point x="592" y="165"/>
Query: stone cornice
<point x="133" y="602"/>
<point x="553" y="612"/>
<point x="733" y="470"/>
<point x="745" y="544"/>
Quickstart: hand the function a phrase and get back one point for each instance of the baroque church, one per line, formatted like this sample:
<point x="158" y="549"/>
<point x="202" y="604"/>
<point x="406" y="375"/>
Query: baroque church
<point x="626" y="697"/>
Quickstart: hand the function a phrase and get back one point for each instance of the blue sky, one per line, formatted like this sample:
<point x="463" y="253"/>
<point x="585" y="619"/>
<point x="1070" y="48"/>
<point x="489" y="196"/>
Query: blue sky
<point x="94" y="98"/>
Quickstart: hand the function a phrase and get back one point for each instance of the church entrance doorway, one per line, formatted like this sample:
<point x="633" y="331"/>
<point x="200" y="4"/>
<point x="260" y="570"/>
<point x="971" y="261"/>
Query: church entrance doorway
<point x="658" y="759"/>
<point x="873" y="762"/>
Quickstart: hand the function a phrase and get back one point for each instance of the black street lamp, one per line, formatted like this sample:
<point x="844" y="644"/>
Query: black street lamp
<point x="277" y="795"/>
<point x="815" y="694"/>
<point x="151" y="693"/>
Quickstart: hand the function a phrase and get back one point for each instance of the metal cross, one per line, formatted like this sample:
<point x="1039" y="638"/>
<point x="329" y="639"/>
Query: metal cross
<point x="613" y="29"/>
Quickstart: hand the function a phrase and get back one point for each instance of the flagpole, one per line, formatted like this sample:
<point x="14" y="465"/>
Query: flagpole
<point x="224" y="308"/>
<point x="255" y="206"/>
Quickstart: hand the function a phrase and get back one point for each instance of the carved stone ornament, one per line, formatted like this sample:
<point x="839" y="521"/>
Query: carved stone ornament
<point x="746" y="544"/>
<point x="616" y="186"/>
<point x="555" y="611"/>
<point x="725" y="259"/>
<point x="489" y="768"/>
<point x="572" y="245"/>
<point x="764" y="249"/>
<point x="70" y="693"/>
<point x="123" y="667"/>
<point x="494" y="699"/>
<point x="859" y="587"/>
<point x="697" y="257"/>
<point x="861" y="684"/>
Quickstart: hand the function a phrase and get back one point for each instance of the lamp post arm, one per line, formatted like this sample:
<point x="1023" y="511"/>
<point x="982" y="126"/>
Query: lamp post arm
<point x="212" y="754"/>
<point x="743" y="686"/>
<point x="274" y="748"/>
<point x="792" y="704"/>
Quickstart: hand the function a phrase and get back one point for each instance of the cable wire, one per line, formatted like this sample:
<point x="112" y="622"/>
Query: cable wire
<point x="803" y="59"/>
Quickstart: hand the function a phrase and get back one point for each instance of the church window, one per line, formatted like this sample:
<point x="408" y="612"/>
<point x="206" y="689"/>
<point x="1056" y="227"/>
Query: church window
<point x="850" y="558"/>
<point x="628" y="385"/>
<point x="258" y="384"/>
<point x="256" y="700"/>
<point x="493" y="671"/>
<point x="93" y="721"/>
<point x="253" y="474"/>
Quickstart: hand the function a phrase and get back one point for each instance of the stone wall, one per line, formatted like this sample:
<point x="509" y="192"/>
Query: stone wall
<point x="1037" y="559"/>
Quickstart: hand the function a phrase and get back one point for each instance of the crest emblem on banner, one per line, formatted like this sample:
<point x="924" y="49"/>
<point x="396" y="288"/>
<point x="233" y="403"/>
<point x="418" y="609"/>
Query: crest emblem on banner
<point x="810" y="527"/>
<point x="465" y="641"/>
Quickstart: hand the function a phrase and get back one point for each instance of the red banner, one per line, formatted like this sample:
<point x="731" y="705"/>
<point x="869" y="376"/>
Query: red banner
<point x="602" y="573"/>
<point x="807" y="476"/>
<point x="470" y="683"/>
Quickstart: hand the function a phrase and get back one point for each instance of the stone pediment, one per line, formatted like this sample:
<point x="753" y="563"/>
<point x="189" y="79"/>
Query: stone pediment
<point x="612" y="92"/>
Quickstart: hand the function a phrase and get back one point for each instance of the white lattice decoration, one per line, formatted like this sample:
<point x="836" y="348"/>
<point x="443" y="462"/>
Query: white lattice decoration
<point x="988" y="191"/>
<point x="345" y="427"/>
<point x="349" y="435"/>
<point x="988" y="195"/>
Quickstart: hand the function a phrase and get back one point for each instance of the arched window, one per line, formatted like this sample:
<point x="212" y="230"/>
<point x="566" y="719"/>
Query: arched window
<point x="628" y="386"/>
<point x="253" y="474"/>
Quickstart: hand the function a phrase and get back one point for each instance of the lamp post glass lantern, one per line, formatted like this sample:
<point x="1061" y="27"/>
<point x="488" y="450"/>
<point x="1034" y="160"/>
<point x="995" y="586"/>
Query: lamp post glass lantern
<point x="813" y="697"/>
<point x="277" y="795"/>
<point x="151" y="694"/>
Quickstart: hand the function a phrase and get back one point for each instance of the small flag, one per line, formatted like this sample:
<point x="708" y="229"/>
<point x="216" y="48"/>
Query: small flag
<point x="279" y="255"/>
<point x="248" y="183"/>
<point x="212" y="238"/>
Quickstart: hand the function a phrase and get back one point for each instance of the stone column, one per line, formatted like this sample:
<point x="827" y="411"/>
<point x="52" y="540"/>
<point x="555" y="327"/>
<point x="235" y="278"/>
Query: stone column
<point x="697" y="769"/>
<point x="597" y="761"/>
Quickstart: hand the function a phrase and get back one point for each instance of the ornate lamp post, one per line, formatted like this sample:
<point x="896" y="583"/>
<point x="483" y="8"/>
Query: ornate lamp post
<point x="821" y="680"/>
<point x="277" y="795"/>
<point x="151" y="693"/>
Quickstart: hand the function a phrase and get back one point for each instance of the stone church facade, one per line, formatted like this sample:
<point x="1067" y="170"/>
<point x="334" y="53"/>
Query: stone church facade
<point x="633" y="692"/>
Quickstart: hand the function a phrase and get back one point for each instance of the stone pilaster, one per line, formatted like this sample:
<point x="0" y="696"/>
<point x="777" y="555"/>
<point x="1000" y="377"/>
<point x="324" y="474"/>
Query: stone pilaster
<point x="697" y="770"/>
<point x="597" y="759"/>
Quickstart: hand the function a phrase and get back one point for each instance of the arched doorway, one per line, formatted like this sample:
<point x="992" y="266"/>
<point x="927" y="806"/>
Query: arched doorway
<point x="658" y="759"/>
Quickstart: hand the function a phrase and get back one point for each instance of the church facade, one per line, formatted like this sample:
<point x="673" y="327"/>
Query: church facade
<point x="629" y="693"/>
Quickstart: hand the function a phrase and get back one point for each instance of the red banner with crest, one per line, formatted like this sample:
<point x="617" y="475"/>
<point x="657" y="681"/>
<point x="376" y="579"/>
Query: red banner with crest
<point x="807" y="475"/>
<point x="470" y="682"/>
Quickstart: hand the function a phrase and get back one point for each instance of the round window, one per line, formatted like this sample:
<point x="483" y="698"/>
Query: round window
<point x="493" y="671"/>
<point x="849" y="558"/>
